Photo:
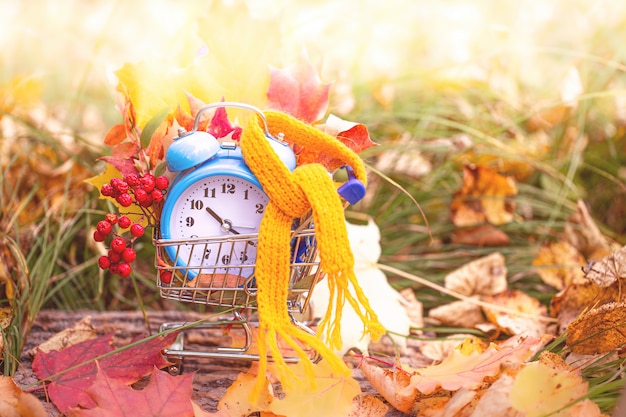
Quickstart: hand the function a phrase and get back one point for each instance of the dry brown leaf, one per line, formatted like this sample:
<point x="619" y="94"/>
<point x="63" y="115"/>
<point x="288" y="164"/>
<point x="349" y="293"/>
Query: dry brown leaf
<point x="484" y="276"/>
<point x="458" y="314"/>
<point x="511" y="324"/>
<point x="81" y="330"/>
<point x="567" y="305"/>
<point x="368" y="406"/>
<point x="16" y="403"/>
<point x="438" y="349"/>
<point x="485" y="196"/>
<point x="598" y="331"/>
<point x="610" y="269"/>
<point x="558" y="264"/>
<point x="481" y="235"/>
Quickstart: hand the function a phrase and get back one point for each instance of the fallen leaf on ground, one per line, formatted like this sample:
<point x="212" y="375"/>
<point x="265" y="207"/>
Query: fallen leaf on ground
<point x="558" y="264"/>
<point x="548" y="385"/>
<point x="80" y="331"/>
<point x="236" y="403"/>
<point x="600" y="330"/>
<point x="69" y="372"/>
<point x="392" y="384"/>
<point x="458" y="314"/>
<point x="16" y="403"/>
<point x="438" y="349"/>
<point x="469" y="371"/>
<point x="485" y="196"/>
<point x="429" y="391"/>
<point x="164" y="396"/>
<point x="369" y="406"/>
<point x="331" y="395"/>
<point x="608" y="270"/>
<point x="483" y="276"/>
<point x="512" y="324"/>
<point x="567" y="305"/>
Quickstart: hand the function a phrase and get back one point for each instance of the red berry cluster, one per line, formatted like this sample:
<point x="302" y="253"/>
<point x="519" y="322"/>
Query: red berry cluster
<point x="145" y="191"/>
<point x="141" y="189"/>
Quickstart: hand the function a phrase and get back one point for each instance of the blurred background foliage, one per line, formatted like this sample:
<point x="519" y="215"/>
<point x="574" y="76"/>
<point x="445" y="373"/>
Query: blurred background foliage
<point x="534" y="89"/>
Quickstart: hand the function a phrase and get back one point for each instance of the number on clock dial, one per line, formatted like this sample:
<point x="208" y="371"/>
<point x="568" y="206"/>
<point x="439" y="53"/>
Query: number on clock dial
<point x="235" y="200"/>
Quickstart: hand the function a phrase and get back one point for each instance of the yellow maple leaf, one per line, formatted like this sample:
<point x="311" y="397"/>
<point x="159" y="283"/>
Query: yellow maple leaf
<point x="549" y="387"/>
<point x="331" y="395"/>
<point x="151" y="87"/>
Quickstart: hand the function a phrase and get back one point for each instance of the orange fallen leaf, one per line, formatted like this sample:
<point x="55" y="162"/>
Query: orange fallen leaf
<point x="16" y="403"/>
<point x="392" y="384"/>
<point x="558" y="264"/>
<point x="567" y="305"/>
<point x="485" y="196"/>
<point x="600" y="330"/>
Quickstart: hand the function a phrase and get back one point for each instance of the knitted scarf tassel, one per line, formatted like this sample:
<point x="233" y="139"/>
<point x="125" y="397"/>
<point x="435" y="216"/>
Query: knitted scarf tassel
<point x="291" y="196"/>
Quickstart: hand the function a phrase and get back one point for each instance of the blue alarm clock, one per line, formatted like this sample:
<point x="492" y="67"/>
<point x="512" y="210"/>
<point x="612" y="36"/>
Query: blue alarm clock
<point x="214" y="202"/>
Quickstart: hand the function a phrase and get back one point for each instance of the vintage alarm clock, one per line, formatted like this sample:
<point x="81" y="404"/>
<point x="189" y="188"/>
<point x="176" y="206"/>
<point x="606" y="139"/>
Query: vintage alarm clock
<point x="214" y="197"/>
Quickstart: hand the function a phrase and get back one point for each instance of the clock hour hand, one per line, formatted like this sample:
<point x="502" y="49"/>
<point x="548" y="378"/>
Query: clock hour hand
<point x="227" y="226"/>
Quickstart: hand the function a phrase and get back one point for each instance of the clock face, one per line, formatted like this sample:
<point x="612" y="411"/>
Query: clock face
<point x="218" y="206"/>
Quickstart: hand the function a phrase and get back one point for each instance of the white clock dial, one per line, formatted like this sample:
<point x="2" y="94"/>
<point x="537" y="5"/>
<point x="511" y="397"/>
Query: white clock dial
<point x="213" y="207"/>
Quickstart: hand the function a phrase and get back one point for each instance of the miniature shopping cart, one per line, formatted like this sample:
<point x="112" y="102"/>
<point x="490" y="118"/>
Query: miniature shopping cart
<point x="227" y="289"/>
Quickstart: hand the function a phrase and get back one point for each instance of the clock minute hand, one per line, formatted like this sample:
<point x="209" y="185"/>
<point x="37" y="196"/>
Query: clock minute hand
<point x="226" y="224"/>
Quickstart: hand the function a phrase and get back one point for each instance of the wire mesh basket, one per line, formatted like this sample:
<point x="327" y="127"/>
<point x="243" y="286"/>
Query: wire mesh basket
<point x="227" y="281"/>
<point x="190" y="275"/>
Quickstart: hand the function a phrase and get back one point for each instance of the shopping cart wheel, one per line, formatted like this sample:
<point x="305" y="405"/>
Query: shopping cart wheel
<point x="176" y="368"/>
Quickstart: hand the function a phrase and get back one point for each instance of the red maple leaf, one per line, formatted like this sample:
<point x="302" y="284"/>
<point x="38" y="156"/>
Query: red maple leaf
<point x="298" y="91"/>
<point x="221" y="127"/>
<point x="71" y="371"/>
<point x="354" y="135"/>
<point x="164" y="396"/>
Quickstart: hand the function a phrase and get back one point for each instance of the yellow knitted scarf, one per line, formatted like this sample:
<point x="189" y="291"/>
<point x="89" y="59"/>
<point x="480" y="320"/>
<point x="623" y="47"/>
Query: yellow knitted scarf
<point x="292" y="195"/>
